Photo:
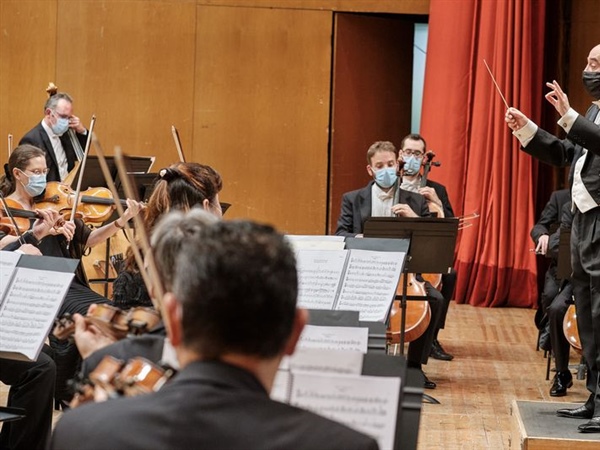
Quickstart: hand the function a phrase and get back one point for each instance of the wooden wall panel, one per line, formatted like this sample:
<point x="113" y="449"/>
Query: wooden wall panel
<point x="27" y="63"/>
<point x="585" y="23"/>
<point x="379" y="6"/>
<point x="262" y="111"/>
<point x="372" y="91"/>
<point x="131" y="64"/>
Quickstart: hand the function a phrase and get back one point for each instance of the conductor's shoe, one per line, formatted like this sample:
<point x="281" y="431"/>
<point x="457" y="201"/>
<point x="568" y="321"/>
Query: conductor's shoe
<point x="593" y="426"/>
<point x="438" y="352"/>
<point x="562" y="381"/>
<point x="427" y="383"/>
<point x="585" y="411"/>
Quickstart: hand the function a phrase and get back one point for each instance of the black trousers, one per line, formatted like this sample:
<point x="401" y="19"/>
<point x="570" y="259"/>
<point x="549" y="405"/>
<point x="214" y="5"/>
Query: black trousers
<point x="585" y="259"/>
<point x="66" y="356"/>
<point x="32" y="388"/>
<point x="419" y="349"/>
<point x="447" y="291"/>
<point x="556" y="313"/>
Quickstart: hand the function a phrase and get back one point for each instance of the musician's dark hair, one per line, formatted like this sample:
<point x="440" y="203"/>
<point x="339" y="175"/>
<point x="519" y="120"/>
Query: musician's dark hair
<point x="19" y="158"/>
<point x="381" y="146"/>
<point x="237" y="284"/>
<point x="52" y="101"/>
<point x="182" y="186"/>
<point x="413" y="137"/>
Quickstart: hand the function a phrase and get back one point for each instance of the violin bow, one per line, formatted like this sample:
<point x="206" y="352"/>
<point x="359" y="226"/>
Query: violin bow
<point x="113" y="189"/>
<point x="139" y="225"/>
<point x="82" y="168"/>
<point x="177" y="143"/>
<point x="10" y="143"/>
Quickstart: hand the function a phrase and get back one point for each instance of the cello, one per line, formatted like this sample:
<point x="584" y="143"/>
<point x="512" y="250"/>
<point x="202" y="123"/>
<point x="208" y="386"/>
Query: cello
<point x="418" y="313"/>
<point x="570" y="329"/>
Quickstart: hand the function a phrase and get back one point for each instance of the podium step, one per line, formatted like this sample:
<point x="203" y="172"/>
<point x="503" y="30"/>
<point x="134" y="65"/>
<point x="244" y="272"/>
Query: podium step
<point x="537" y="427"/>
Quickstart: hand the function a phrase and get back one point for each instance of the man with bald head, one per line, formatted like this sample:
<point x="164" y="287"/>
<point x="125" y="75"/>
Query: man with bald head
<point x="581" y="150"/>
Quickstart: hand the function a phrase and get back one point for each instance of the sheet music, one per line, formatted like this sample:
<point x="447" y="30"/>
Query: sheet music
<point x="8" y="262"/>
<point x="335" y="338"/>
<point x="365" y="403"/>
<point x="28" y="309"/>
<point x="370" y="283"/>
<point x="281" y="386"/>
<point x="326" y="361"/>
<point x="300" y="242"/>
<point x="319" y="276"/>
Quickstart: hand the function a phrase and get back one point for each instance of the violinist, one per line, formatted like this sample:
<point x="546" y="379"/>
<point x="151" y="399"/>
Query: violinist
<point x="182" y="186"/>
<point x="232" y="317"/>
<point x="23" y="181"/>
<point x="412" y="152"/>
<point x="31" y="387"/>
<point x="61" y="147"/>
<point x="383" y="197"/>
<point x="179" y="187"/>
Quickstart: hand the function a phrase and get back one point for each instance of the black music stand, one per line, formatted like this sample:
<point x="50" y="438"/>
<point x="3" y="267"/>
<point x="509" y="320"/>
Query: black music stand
<point x="8" y="414"/>
<point x="431" y="249"/>
<point x="378" y="364"/>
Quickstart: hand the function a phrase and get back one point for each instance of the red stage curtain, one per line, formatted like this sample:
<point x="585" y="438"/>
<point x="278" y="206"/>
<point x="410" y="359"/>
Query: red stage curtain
<point x="463" y="121"/>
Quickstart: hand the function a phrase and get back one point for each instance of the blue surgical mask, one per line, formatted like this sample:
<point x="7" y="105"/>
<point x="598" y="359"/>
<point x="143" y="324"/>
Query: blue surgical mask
<point x="412" y="165"/>
<point x="61" y="126"/>
<point x="386" y="177"/>
<point x="36" y="184"/>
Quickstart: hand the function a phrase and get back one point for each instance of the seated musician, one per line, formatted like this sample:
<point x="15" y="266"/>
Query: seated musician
<point x="23" y="181"/>
<point x="556" y="293"/>
<point x="31" y="382"/>
<point x="231" y="316"/>
<point x="179" y="187"/>
<point x="383" y="197"/>
<point x="412" y="150"/>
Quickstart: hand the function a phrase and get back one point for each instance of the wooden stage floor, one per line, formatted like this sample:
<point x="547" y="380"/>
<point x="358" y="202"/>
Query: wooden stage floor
<point x="495" y="363"/>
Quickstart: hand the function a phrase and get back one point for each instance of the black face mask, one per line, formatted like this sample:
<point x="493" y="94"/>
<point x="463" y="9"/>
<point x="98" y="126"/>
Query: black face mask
<point x="591" y="81"/>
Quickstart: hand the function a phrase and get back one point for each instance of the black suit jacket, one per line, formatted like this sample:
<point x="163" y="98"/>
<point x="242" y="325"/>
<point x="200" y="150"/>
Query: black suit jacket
<point x="38" y="137"/>
<point x="442" y="194"/>
<point x="208" y="405"/>
<point x="583" y="134"/>
<point x="551" y="214"/>
<point x="356" y="209"/>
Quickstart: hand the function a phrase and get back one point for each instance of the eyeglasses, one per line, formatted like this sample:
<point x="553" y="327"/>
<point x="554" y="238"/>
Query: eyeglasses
<point x="37" y="171"/>
<point x="415" y="153"/>
<point x="60" y="116"/>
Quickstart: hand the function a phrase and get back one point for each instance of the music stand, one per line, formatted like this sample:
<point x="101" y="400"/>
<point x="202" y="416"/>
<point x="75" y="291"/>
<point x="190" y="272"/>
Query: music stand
<point x="431" y="249"/>
<point x="9" y="414"/>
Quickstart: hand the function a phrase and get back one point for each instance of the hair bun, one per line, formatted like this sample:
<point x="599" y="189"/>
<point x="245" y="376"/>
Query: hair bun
<point x="169" y="174"/>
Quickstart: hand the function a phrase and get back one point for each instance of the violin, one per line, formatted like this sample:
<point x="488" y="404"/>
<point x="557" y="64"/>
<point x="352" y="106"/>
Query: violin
<point x="20" y="216"/>
<point x="95" y="204"/>
<point x="112" y="321"/>
<point x="115" y="379"/>
<point x="418" y="313"/>
<point x="570" y="329"/>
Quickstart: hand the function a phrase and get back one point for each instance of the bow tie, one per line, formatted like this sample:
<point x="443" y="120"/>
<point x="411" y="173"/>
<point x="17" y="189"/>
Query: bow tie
<point x="385" y="195"/>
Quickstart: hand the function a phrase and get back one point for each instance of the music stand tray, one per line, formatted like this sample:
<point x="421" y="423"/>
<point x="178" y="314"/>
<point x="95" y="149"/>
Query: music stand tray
<point x="432" y="240"/>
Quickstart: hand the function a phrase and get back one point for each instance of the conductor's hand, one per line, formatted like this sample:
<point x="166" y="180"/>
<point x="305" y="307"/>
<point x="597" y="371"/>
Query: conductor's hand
<point x="558" y="98"/>
<point x="515" y="119"/>
<point x="403" y="210"/>
<point x="542" y="246"/>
